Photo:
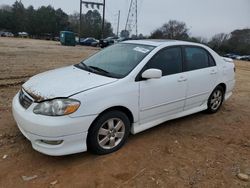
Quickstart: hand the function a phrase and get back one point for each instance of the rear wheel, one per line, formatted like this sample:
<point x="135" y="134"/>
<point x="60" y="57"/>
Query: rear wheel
<point x="215" y="100"/>
<point x="108" y="133"/>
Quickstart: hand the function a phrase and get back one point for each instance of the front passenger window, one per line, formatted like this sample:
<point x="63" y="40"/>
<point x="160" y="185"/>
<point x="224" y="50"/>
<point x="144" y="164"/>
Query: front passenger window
<point x="168" y="60"/>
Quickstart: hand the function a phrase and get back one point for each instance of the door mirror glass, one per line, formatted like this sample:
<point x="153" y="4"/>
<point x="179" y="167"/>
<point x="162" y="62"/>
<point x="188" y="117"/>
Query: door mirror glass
<point x="152" y="74"/>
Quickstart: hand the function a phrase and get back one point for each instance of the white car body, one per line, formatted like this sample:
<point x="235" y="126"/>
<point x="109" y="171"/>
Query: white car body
<point x="148" y="103"/>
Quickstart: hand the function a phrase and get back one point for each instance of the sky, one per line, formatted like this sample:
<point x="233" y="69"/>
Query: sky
<point x="204" y="18"/>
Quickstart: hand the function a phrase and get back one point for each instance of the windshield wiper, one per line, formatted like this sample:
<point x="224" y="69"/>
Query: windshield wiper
<point x="96" y="70"/>
<point x="99" y="69"/>
<point x="85" y="67"/>
<point x="106" y="73"/>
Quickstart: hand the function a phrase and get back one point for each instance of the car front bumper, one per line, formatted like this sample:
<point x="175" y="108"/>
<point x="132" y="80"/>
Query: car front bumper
<point x="70" y="133"/>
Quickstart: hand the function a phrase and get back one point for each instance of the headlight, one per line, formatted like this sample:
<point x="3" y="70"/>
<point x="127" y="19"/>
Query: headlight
<point x="57" y="107"/>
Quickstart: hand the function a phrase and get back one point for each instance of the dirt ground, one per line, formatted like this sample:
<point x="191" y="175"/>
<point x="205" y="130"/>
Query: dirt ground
<point x="196" y="151"/>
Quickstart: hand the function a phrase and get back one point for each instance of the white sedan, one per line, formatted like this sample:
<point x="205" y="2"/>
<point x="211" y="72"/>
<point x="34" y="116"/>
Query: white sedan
<point x="126" y="88"/>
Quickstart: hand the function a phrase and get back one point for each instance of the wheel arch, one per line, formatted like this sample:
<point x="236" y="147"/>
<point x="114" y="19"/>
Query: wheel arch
<point x="117" y="108"/>
<point x="122" y="109"/>
<point x="224" y="86"/>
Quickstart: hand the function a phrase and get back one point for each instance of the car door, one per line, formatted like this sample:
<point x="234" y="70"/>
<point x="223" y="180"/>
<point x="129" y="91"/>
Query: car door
<point x="165" y="96"/>
<point x="202" y="75"/>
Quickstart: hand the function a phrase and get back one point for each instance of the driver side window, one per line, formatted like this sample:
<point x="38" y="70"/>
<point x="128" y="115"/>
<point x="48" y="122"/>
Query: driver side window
<point x="168" y="60"/>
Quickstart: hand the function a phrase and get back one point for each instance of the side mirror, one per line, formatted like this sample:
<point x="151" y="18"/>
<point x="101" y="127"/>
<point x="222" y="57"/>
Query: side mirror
<point x="152" y="74"/>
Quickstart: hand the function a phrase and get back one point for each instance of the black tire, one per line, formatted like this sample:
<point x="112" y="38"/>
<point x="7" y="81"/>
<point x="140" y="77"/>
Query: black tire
<point x="95" y="138"/>
<point x="213" y="109"/>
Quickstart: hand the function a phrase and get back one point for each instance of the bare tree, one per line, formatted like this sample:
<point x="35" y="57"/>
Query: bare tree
<point x="218" y="40"/>
<point x="172" y="30"/>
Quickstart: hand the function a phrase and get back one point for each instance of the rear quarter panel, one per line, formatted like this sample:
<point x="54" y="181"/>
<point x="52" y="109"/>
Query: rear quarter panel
<point x="228" y="74"/>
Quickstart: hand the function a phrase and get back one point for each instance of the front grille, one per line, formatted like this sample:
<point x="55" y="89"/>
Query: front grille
<point x="24" y="100"/>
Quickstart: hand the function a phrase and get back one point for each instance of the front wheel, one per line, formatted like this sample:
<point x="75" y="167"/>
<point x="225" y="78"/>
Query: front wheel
<point x="215" y="100"/>
<point x="108" y="133"/>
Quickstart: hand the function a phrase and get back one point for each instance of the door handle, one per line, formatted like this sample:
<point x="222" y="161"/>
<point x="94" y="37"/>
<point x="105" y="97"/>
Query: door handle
<point x="213" y="71"/>
<point x="182" y="79"/>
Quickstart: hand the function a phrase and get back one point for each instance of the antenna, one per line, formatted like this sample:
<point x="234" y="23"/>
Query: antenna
<point x="132" y="19"/>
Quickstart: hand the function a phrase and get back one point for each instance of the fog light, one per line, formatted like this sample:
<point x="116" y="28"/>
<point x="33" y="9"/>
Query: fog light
<point x="52" y="142"/>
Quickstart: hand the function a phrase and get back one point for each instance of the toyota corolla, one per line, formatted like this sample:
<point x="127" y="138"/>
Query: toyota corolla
<point x="126" y="88"/>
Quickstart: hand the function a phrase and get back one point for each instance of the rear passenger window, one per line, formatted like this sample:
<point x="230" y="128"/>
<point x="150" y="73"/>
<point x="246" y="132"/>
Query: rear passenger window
<point x="168" y="60"/>
<point x="195" y="58"/>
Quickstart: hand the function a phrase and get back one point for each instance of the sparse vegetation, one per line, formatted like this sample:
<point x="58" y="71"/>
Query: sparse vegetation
<point x="237" y="41"/>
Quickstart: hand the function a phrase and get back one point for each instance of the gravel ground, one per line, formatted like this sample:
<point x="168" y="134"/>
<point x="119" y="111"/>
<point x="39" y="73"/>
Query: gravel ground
<point x="196" y="151"/>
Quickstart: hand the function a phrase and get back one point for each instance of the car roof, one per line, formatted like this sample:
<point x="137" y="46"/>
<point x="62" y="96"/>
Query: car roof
<point x="159" y="42"/>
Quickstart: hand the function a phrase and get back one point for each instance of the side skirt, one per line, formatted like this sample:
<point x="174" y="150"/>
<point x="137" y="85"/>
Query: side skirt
<point x="137" y="127"/>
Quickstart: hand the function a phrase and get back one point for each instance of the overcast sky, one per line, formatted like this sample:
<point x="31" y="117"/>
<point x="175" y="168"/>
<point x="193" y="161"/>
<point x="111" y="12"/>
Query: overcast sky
<point x="203" y="17"/>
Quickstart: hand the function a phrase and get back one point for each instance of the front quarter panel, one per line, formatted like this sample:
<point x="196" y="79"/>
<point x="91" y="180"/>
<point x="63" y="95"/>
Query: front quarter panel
<point x="121" y="93"/>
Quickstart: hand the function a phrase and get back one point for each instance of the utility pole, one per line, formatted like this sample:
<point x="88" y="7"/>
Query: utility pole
<point x="136" y="18"/>
<point x="80" y="24"/>
<point x="103" y="15"/>
<point x="103" y="18"/>
<point x="118" y="25"/>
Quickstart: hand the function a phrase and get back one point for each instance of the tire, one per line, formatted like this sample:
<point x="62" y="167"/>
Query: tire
<point x="215" y="100"/>
<point x="108" y="133"/>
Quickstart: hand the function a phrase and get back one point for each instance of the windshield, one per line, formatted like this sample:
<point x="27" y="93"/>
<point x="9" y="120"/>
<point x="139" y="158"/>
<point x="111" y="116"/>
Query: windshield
<point x="117" y="60"/>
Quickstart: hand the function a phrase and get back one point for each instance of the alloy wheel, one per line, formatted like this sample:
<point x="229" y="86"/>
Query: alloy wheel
<point x="216" y="99"/>
<point x="111" y="133"/>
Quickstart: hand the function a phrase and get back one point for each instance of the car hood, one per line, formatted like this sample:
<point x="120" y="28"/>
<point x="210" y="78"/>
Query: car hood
<point x="63" y="82"/>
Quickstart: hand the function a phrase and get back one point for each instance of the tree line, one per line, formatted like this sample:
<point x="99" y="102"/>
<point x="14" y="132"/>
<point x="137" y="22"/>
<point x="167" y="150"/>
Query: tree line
<point x="46" y="20"/>
<point x="238" y="41"/>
